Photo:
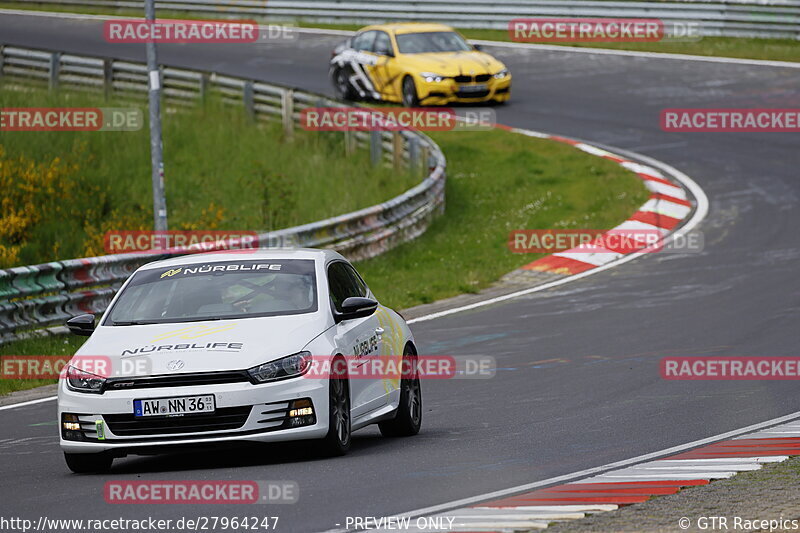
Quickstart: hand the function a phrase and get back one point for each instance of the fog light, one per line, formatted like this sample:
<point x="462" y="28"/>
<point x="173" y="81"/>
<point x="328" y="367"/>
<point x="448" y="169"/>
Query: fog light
<point x="71" y="422"/>
<point x="301" y="413"/>
<point x="71" y="427"/>
<point x="301" y="408"/>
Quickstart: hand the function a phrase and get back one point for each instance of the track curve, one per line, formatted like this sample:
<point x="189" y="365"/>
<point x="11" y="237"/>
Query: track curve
<point x="600" y="399"/>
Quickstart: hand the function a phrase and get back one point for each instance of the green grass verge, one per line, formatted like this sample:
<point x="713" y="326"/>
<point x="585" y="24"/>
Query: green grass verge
<point x="60" y="345"/>
<point x="223" y="172"/>
<point x="745" y="48"/>
<point x="497" y="181"/>
<point x="500" y="181"/>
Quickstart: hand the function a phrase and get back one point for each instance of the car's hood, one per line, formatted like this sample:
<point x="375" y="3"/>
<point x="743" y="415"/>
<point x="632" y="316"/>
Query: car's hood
<point x="455" y="63"/>
<point x="210" y="346"/>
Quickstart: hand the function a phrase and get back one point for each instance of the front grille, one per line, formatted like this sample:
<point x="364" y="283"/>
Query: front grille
<point x="277" y="413"/>
<point x="177" y="380"/>
<point x="480" y="78"/>
<point x="226" y="418"/>
<point x="472" y="94"/>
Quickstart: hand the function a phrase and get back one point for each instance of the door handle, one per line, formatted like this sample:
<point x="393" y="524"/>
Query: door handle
<point x="379" y="330"/>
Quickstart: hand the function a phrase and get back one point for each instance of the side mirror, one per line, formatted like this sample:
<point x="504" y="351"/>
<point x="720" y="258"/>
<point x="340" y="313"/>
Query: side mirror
<point x="477" y="47"/>
<point x="356" y="307"/>
<point x="82" y="325"/>
<point x="385" y="52"/>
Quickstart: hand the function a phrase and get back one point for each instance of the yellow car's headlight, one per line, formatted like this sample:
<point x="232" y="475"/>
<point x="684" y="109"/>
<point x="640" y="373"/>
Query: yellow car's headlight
<point x="431" y="77"/>
<point x="502" y="74"/>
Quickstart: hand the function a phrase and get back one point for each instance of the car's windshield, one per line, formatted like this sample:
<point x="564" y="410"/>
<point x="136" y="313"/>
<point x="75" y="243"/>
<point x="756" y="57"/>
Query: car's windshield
<point x="219" y="290"/>
<point x="435" y="41"/>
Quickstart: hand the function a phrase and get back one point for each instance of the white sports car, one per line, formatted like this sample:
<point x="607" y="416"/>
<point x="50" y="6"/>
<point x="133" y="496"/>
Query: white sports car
<point x="213" y="348"/>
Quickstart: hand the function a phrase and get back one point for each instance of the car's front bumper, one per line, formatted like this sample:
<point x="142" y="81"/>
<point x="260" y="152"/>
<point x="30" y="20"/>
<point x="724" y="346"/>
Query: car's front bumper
<point x="244" y="412"/>
<point x="449" y="91"/>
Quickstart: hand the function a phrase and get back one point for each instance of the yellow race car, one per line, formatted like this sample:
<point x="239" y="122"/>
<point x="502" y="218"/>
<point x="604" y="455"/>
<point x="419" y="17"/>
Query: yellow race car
<point x="417" y="64"/>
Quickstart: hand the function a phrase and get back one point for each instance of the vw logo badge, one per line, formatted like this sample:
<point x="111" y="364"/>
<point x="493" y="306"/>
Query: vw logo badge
<point x="177" y="364"/>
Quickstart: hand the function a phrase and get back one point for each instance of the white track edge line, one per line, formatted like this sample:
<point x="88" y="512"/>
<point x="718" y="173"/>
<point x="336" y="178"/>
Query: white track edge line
<point x="585" y="473"/>
<point x="500" y="44"/>
<point x="699" y="214"/>
<point x="31" y="402"/>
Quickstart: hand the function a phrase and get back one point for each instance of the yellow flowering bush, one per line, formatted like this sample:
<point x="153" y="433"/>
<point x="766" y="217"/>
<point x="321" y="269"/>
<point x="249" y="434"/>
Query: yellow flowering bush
<point x="31" y="191"/>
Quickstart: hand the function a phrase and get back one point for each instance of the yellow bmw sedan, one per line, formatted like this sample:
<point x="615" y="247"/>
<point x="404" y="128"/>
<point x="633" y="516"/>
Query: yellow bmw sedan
<point x="417" y="64"/>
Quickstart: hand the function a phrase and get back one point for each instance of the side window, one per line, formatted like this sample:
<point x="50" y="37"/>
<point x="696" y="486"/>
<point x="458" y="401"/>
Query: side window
<point x="382" y="46"/>
<point x="357" y="281"/>
<point x="341" y="283"/>
<point x="364" y="41"/>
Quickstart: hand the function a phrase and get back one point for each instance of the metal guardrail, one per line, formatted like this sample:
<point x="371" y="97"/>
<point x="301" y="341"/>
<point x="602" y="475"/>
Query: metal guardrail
<point x="729" y="18"/>
<point x="44" y="295"/>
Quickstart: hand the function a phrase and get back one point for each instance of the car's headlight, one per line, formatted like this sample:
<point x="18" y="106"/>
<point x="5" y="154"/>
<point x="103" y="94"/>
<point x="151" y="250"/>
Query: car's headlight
<point x="82" y="381"/>
<point x="502" y="74"/>
<point x="284" y="368"/>
<point x="430" y="77"/>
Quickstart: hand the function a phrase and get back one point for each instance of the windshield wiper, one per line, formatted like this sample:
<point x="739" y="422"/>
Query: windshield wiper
<point x="174" y="321"/>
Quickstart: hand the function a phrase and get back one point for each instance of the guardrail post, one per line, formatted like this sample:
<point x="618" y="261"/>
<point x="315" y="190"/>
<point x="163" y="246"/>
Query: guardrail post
<point x="397" y="150"/>
<point x="205" y="84"/>
<point x="375" y="147"/>
<point x="55" y="67"/>
<point x="108" y="78"/>
<point x="426" y="159"/>
<point x="413" y="155"/>
<point x="249" y="102"/>
<point x="287" y="112"/>
<point x="349" y="142"/>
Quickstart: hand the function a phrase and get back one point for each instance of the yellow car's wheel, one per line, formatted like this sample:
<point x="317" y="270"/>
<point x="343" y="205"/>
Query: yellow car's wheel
<point x="410" y="98"/>
<point x="341" y="82"/>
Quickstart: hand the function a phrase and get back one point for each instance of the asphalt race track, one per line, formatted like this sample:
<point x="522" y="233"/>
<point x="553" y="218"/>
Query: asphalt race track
<point x="600" y="397"/>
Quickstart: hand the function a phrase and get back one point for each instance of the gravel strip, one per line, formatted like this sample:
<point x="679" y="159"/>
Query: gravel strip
<point x="772" y="493"/>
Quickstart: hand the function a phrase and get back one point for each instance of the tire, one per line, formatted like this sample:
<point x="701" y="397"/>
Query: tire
<point x="88" y="463"/>
<point x="342" y="85"/>
<point x="337" y="441"/>
<point x="408" y="417"/>
<point x="410" y="98"/>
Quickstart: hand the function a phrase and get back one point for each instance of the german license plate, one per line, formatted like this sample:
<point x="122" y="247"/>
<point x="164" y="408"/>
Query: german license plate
<point x="472" y="88"/>
<point x="186" y="405"/>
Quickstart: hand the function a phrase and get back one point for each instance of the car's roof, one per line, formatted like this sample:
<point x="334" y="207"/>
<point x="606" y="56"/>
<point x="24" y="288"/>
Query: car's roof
<point x="409" y="27"/>
<point x="260" y="254"/>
